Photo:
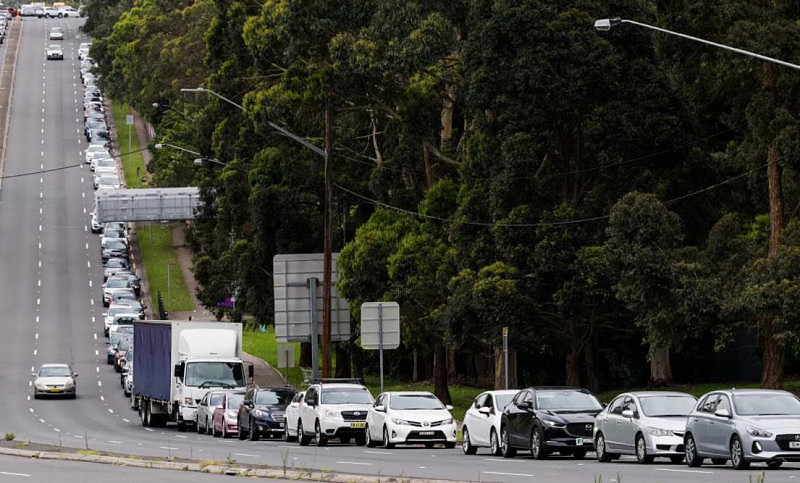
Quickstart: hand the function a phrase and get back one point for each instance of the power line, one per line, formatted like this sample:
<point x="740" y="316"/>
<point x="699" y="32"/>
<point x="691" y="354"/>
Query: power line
<point x="62" y="168"/>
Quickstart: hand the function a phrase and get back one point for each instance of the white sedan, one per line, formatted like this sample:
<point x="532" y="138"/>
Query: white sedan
<point x="56" y="34"/>
<point x="410" y="417"/>
<point x="481" y="428"/>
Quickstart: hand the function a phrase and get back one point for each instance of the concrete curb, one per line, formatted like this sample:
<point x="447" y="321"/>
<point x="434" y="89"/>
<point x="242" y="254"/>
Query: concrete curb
<point x="232" y="470"/>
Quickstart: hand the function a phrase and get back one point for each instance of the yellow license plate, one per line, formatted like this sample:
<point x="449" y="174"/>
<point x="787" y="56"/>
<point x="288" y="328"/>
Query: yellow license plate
<point x="55" y="389"/>
<point x="357" y="425"/>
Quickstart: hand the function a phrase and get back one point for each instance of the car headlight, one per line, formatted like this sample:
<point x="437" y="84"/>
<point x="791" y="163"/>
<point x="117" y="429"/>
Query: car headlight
<point x="188" y="401"/>
<point x="758" y="432"/>
<point x="69" y="384"/>
<point x="659" y="431"/>
<point x="259" y="413"/>
<point x="446" y="421"/>
<point x="330" y="413"/>
<point x="39" y="386"/>
<point x="401" y="422"/>
<point x="554" y="424"/>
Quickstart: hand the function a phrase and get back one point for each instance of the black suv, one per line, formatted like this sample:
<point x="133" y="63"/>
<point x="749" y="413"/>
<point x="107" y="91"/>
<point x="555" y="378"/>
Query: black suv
<point x="548" y="419"/>
<point x="263" y="411"/>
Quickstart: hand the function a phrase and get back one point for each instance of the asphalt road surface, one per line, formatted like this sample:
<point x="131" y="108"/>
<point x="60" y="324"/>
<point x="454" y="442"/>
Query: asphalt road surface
<point x="50" y="306"/>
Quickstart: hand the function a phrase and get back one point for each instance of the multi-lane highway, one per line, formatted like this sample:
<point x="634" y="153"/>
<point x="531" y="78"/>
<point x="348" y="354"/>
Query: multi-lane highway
<point x="50" y="311"/>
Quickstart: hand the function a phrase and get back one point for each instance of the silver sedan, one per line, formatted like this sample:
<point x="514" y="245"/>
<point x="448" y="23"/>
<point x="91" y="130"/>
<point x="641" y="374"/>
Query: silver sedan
<point x="647" y="424"/>
<point x="744" y="426"/>
<point x="54" y="380"/>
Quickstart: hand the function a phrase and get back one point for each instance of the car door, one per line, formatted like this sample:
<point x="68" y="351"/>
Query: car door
<point x="480" y="420"/>
<point x="379" y="411"/>
<point x="526" y="420"/>
<point x="202" y="410"/>
<point x="720" y="428"/>
<point x="626" y="425"/>
<point x="512" y="414"/>
<point x="608" y="423"/>
<point x="700" y="423"/>
<point x="307" y="410"/>
<point x="243" y="416"/>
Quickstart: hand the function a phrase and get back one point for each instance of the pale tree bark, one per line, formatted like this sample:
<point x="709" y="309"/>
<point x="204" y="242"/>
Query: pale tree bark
<point x="660" y="368"/>
<point x="446" y="136"/>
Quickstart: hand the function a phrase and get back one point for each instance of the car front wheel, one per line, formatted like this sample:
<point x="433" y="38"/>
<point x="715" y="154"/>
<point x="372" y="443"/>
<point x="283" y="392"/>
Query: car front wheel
<point x="537" y="444"/>
<point x="738" y="460"/>
<point x="494" y="443"/>
<point x="505" y="447"/>
<point x="600" y="449"/>
<point x="466" y="444"/>
<point x="368" y="435"/>
<point x="692" y="458"/>
<point x="641" y="451"/>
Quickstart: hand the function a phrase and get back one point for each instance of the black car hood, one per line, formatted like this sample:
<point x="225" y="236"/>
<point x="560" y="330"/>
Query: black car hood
<point x="569" y="417"/>
<point x="271" y="409"/>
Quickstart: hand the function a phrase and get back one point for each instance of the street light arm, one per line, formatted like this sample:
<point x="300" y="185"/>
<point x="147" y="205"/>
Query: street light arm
<point x="606" y="24"/>
<point x="220" y="96"/>
<point x="162" y="145"/>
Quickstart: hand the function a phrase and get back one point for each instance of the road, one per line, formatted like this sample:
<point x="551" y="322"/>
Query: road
<point x="50" y="301"/>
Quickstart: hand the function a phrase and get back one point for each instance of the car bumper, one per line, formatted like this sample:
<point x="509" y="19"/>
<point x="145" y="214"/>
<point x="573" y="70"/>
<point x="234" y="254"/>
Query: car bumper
<point x="665" y="445"/>
<point x="336" y="429"/>
<point x="757" y="449"/>
<point x="402" y="434"/>
<point x="66" y="391"/>
<point x="189" y="414"/>
<point x="269" y="425"/>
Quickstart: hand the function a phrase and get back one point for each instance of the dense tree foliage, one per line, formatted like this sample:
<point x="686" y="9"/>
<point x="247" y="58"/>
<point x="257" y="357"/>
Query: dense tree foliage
<point x="611" y="198"/>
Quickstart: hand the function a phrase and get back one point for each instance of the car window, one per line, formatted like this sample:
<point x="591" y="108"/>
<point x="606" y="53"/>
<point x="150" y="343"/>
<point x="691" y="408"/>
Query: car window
<point x="204" y="401"/>
<point x="480" y="401"/>
<point x="411" y="402"/>
<point x="274" y="397"/>
<point x="566" y="400"/>
<point x="723" y="403"/>
<point x="502" y="400"/>
<point x="54" y="372"/>
<point x="660" y="406"/>
<point x="708" y="404"/>
<point x="216" y="398"/>
<point x="345" y="395"/>
<point x="235" y="400"/>
<point x="616" y="406"/>
<point x="527" y="397"/>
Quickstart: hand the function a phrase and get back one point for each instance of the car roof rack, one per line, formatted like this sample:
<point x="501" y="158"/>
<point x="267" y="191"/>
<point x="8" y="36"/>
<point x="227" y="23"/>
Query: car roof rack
<point x="330" y="380"/>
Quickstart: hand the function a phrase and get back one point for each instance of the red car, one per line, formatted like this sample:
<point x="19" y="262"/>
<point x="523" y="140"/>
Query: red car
<point x="224" y="419"/>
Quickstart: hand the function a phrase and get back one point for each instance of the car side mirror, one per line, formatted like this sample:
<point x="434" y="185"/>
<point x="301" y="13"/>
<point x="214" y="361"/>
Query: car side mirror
<point x="485" y="410"/>
<point x="449" y="407"/>
<point x="526" y="405"/>
<point x="380" y="409"/>
<point x="627" y="414"/>
<point x="250" y="370"/>
<point x="723" y="413"/>
<point x="33" y="374"/>
<point x="75" y="375"/>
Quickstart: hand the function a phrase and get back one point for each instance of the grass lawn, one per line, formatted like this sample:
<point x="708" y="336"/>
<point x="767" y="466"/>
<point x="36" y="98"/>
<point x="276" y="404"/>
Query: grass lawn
<point x="160" y="260"/>
<point x="263" y="346"/>
<point x="132" y="160"/>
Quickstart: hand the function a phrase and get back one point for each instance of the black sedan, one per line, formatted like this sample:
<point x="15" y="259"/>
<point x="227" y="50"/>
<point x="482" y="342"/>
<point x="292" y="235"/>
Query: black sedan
<point x="543" y="420"/>
<point x="263" y="411"/>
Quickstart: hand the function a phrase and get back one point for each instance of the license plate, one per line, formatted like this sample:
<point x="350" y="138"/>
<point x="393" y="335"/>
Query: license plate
<point x="578" y="441"/>
<point x="357" y="425"/>
<point x="55" y="389"/>
<point x="280" y="425"/>
<point x="426" y="433"/>
<point x="794" y="444"/>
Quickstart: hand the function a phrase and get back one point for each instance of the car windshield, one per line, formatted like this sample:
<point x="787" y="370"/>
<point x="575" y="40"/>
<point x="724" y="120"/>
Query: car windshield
<point x="124" y="321"/>
<point x="503" y="400"/>
<point x="235" y="400"/>
<point x="659" y="406"/>
<point x="766" y="404"/>
<point x="125" y="345"/>
<point x="211" y="374"/>
<point x="113" y="233"/>
<point x="410" y="402"/>
<point x="117" y="263"/>
<point x="54" y="372"/>
<point x="55" y="47"/>
<point x="106" y="163"/>
<point x="277" y="397"/>
<point x="345" y="395"/>
<point x="566" y="400"/>
<point x="125" y="330"/>
<point x="116" y="244"/>
<point x="117" y="283"/>
<point x="216" y="398"/>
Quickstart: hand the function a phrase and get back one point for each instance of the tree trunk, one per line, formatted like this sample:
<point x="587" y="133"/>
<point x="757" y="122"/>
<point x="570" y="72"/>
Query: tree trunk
<point x="426" y="157"/>
<point x="446" y="136"/>
<point x="573" y="368"/>
<point x="590" y="357"/>
<point x="440" y="388"/>
<point x="415" y="372"/>
<point x="660" y="369"/>
<point x="773" y="355"/>
<point x="451" y="364"/>
<point x="358" y="367"/>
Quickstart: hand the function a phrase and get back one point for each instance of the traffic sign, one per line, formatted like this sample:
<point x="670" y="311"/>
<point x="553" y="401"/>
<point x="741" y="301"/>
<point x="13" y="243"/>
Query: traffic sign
<point x="370" y="330"/>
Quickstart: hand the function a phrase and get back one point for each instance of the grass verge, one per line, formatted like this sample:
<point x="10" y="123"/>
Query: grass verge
<point x="162" y="268"/>
<point x="129" y="146"/>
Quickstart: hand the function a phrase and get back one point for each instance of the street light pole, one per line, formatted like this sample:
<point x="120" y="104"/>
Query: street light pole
<point x="327" y="208"/>
<point x="605" y="24"/>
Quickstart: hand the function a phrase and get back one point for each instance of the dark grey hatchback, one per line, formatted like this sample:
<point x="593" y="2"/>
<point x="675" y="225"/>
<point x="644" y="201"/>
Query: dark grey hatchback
<point x="544" y="420"/>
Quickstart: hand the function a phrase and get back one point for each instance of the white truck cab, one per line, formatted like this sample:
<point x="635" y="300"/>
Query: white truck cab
<point x="334" y="410"/>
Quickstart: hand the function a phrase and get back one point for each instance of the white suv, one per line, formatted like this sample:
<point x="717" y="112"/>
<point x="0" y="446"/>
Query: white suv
<point x="333" y="410"/>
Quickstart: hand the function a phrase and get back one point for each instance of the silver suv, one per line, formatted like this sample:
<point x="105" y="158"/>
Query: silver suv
<point x="334" y="410"/>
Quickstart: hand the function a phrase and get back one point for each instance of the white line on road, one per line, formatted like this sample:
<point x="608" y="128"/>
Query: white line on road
<point x="88" y="263"/>
<point x="102" y="398"/>
<point x="34" y="351"/>
<point x="166" y="447"/>
<point x="97" y="369"/>
<point x="96" y="352"/>
<point x="247" y="455"/>
<point x="36" y="335"/>
<point x="127" y="421"/>
<point x="56" y="430"/>
<point x="506" y="474"/>
<point x="30" y="409"/>
<point x="38" y="301"/>
<point x="111" y="410"/>
<point x="90" y="283"/>
<point x="99" y="383"/>
<point x="41" y="420"/>
<point x="149" y="429"/>
<point x="378" y="452"/>
<point x="115" y="442"/>
<point x="13" y="474"/>
<point x="353" y="463"/>
<point x="685" y="471"/>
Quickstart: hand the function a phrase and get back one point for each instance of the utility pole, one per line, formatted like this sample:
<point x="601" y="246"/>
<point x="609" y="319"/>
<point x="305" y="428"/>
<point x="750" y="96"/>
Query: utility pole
<point x="326" y="273"/>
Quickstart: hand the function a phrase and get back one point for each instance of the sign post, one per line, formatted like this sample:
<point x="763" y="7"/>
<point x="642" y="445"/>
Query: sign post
<point x="129" y="122"/>
<point x="286" y="358"/>
<point x="505" y="355"/>
<point x="380" y="328"/>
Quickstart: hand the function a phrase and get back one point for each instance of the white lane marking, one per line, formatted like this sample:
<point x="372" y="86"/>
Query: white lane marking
<point x="685" y="471"/>
<point x="97" y="369"/>
<point x="31" y="409"/>
<point x="41" y="194"/>
<point x="41" y="420"/>
<point x="40" y="227"/>
<point x="506" y="474"/>
<point x="82" y="183"/>
<point x="93" y="319"/>
<point x="37" y="319"/>
<point x="36" y="336"/>
<point x="111" y="410"/>
<point x="33" y="368"/>
<point x="181" y="436"/>
<point x="40" y="245"/>
<point x="87" y="246"/>
<point x="56" y="430"/>
<point x="166" y="447"/>
<point x="99" y="383"/>
<point x="127" y="421"/>
<point x="38" y="301"/>
<point x="247" y="455"/>
<point x="84" y="210"/>
<point x="14" y="474"/>
<point x="35" y="351"/>
<point x="90" y="283"/>
<point x="95" y="336"/>
<point x="96" y="352"/>
<point x="88" y="263"/>
<point x="102" y="398"/>
<point x="378" y="452"/>
<point x="149" y="429"/>
<point x="40" y="211"/>
<point x="114" y="442"/>
<point x="91" y="301"/>
<point x="40" y="264"/>
<point x="423" y="467"/>
<point x="353" y="463"/>
<point x="40" y="283"/>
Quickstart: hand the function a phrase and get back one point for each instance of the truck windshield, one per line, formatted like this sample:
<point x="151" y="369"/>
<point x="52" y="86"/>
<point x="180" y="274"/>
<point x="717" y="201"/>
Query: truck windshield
<point x="214" y="374"/>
